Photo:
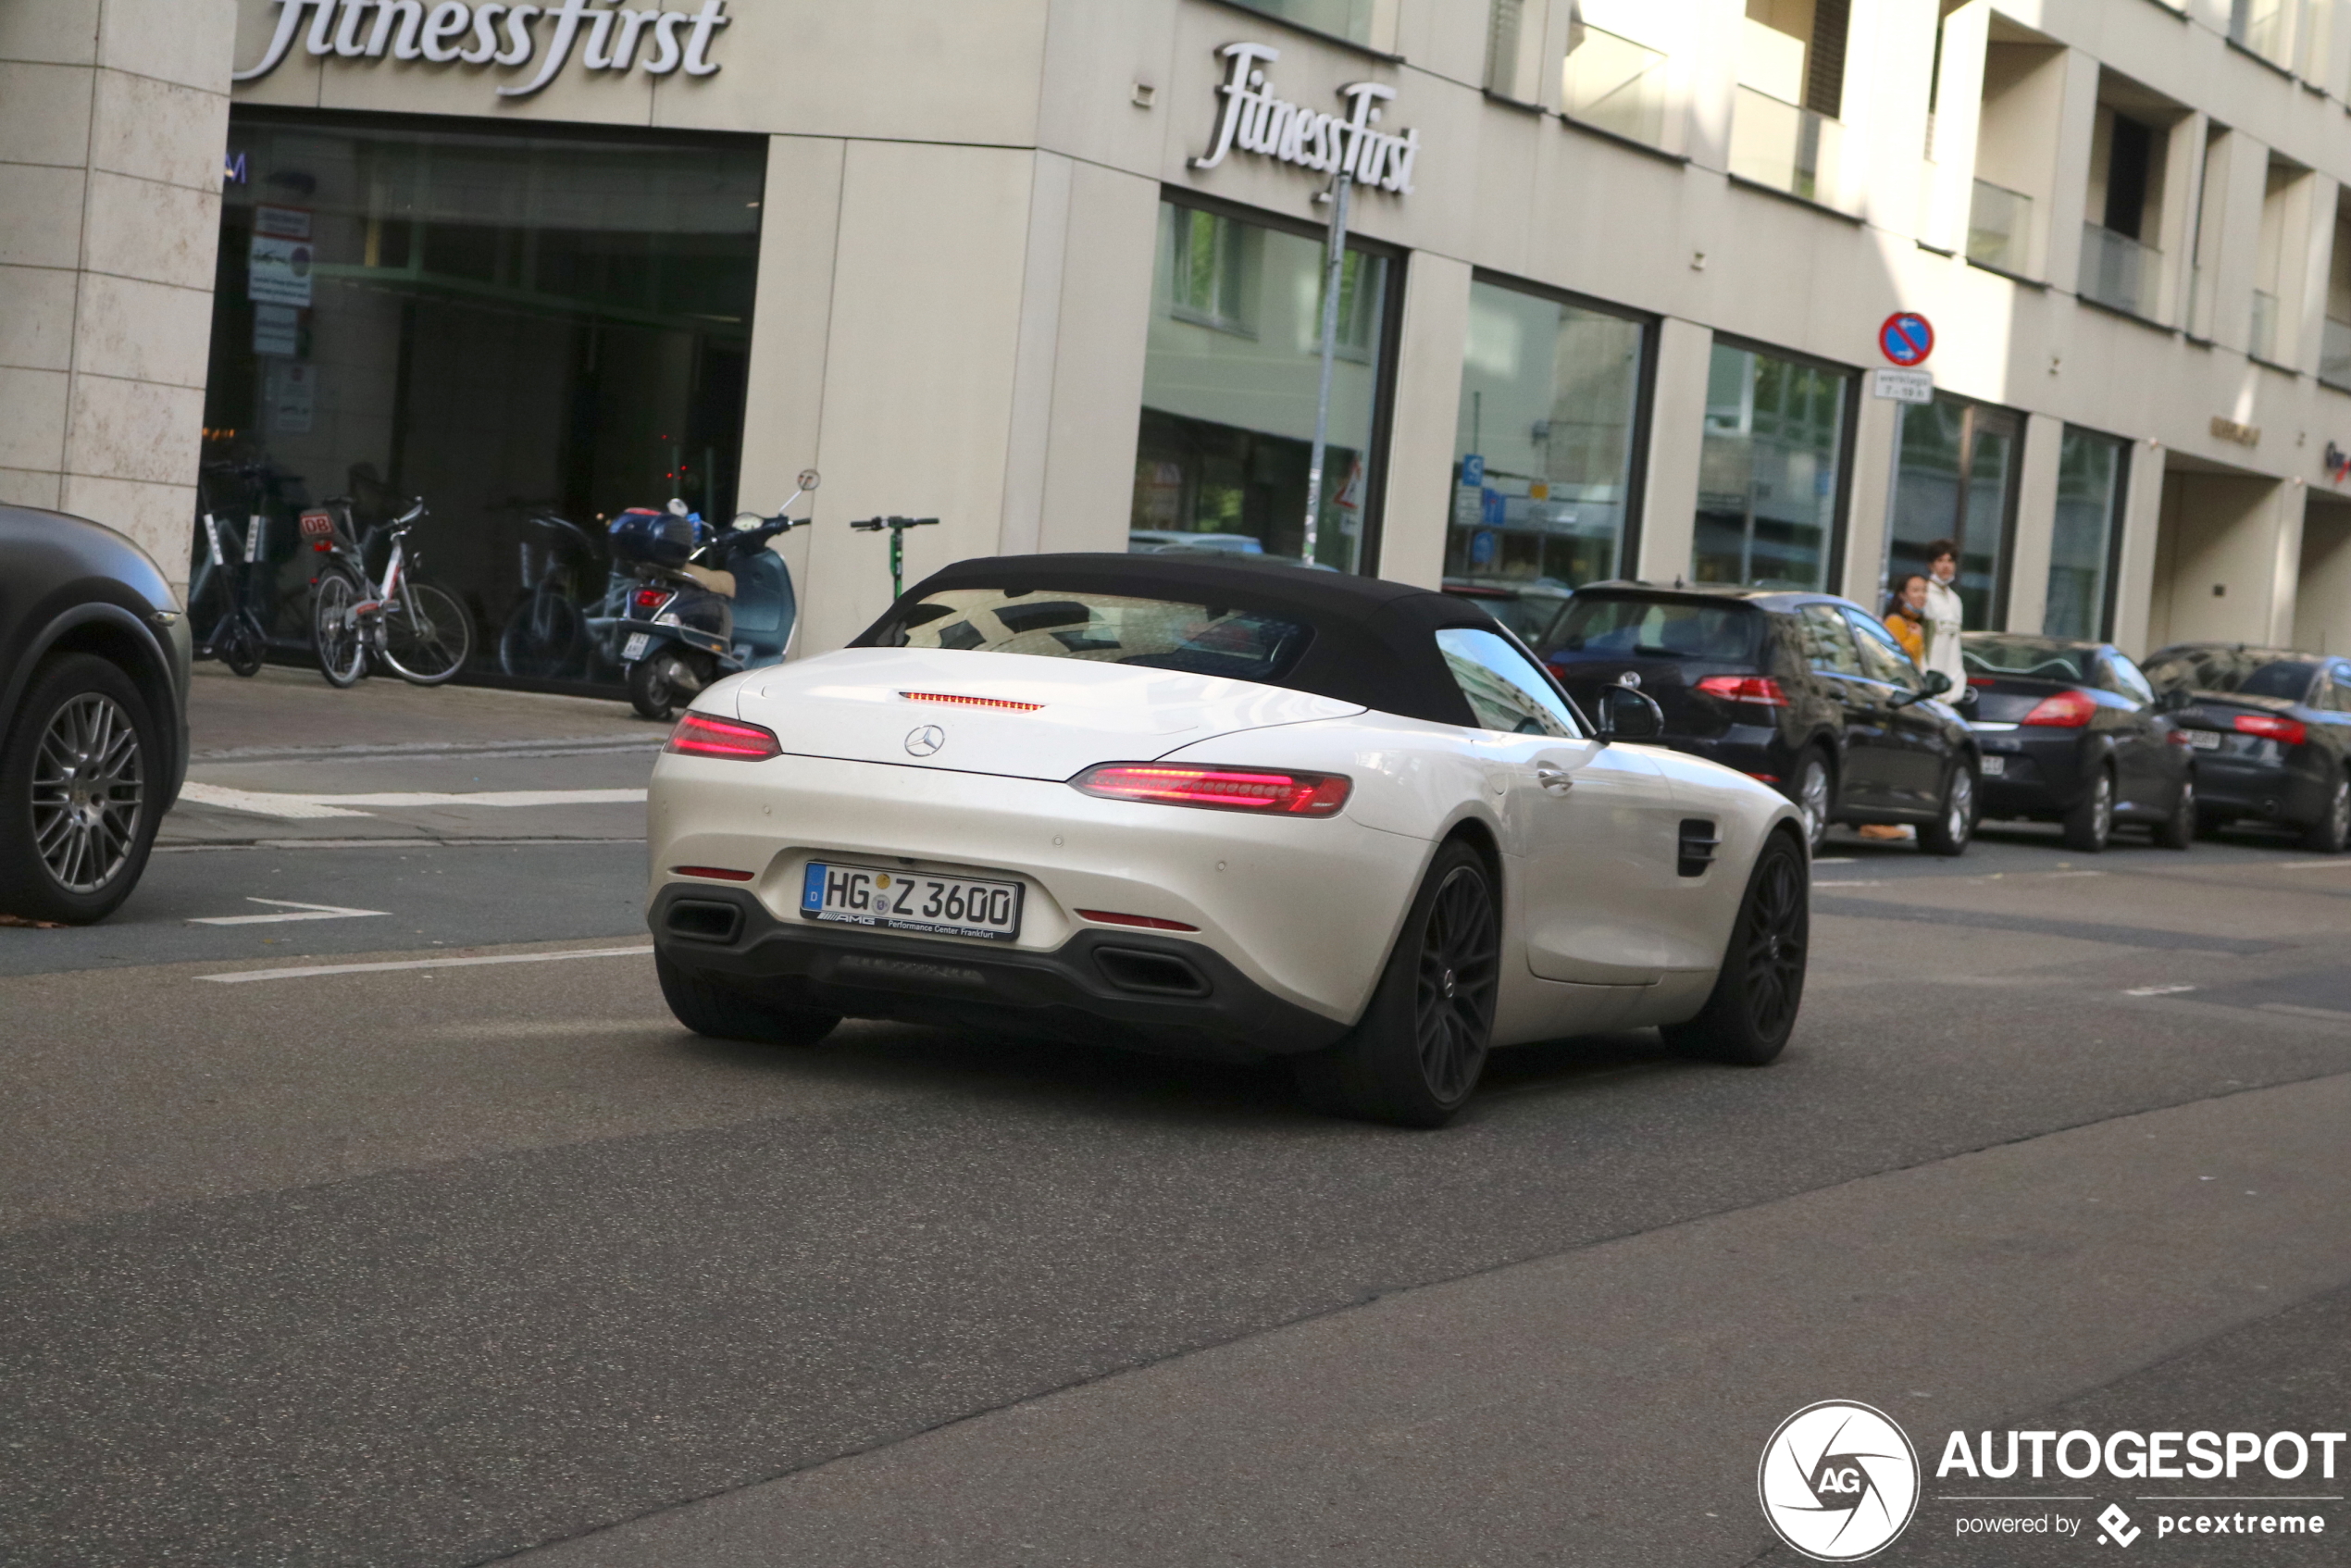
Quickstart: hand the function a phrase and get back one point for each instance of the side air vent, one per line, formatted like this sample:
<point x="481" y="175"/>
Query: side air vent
<point x="1149" y="974"/>
<point x="1697" y="846"/>
<point x="705" y="920"/>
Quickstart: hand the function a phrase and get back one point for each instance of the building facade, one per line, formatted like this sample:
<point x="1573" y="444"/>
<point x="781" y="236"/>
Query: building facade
<point x="1615" y="299"/>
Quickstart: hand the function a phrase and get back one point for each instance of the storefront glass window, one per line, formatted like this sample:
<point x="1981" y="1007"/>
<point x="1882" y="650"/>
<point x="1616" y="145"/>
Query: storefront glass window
<point x="1543" y="452"/>
<point x="1957" y="482"/>
<point x="1341" y="19"/>
<point x="502" y="323"/>
<point x="2081" y="549"/>
<point x="1230" y="382"/>
<point x="1769" y="470"/>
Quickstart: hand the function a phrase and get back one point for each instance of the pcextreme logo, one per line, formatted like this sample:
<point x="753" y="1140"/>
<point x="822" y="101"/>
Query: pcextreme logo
<point x="1838" y="1481"/>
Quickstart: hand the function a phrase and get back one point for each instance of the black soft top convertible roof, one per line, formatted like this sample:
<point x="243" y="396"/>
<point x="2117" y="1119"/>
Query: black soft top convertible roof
<point x="1373" y="640"/>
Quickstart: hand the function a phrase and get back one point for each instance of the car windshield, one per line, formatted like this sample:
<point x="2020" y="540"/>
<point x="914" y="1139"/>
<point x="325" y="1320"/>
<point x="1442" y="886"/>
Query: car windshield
<point x="2233" y="669"/>
<point x="2034" y="658"/>
<point x="1657" y="628"/>
<point x="1531" y="615"/>
<point x="1107" y="627"/>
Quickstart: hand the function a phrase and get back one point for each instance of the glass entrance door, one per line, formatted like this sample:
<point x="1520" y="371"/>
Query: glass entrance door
<point x="1957" y="480"/>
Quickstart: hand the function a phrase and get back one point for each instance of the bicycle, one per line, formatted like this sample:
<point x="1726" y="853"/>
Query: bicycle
<point x="547" y="631"/>
<point x="238" y="638"/>
<point x="420" y="632"/>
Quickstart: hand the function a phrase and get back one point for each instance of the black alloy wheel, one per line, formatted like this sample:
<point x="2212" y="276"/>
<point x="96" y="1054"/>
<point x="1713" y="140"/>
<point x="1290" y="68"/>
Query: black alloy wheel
<point x="1953" y="824"/>
<point x="1751" y="1012"/>
<point x="1815" y="795"/>
<point x="2089" y="827"/>
<point x="2178" y="830"/>
<point x="1415" y="1057"/>
<point x="2332" y="832"/>
<point x="79" y="795"/>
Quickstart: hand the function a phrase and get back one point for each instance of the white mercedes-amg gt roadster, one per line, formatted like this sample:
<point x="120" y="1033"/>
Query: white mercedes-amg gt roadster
<point x="1214" y="808"/>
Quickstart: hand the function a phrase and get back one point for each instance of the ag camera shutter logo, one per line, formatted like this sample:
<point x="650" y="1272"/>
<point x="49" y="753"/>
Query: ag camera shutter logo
<point x="1838" y="1481"/>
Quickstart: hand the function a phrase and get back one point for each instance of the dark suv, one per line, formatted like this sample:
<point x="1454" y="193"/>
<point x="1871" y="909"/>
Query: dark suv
<point x="2270" y="733"/>
<point x="93" y="714"/>
<point x="1806" y="691"/>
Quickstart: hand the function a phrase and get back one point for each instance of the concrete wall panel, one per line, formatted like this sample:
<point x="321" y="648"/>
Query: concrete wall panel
<point x="1420" y="463"/>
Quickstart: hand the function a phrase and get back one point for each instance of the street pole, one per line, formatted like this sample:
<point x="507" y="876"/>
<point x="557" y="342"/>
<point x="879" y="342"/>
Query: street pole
<point x="1334" y="261"/>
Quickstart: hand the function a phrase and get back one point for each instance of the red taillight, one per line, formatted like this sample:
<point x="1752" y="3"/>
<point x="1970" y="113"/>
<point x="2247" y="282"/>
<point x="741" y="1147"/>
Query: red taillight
<point x="648" y="600"/>
<point x="1263" y="791"/>
<point x="1982" y="681"/>
<point x="700" y="735"/>
<point x="2066" y="710"/>
<point x="961" y="701"/>
<point x="2284" y="731"/>
<point x="1760" y="689"/>
<point x="715" y="872"/>
<point x="324" y="547"/>
<point x="1149" y="923"/>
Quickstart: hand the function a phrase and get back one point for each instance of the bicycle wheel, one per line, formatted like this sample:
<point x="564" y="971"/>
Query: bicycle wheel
<point x="243" y="645"/>
<point x="542" y="636"/>
<point x="427" y="634"/>
<point x="334" y="629"/>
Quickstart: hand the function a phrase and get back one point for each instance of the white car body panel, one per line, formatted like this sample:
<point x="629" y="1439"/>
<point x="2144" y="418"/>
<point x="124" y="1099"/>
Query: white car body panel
<point x="1599" y="931"/>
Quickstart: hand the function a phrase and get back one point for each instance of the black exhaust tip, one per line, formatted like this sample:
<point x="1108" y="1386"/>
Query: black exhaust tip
<point x="1150" y="974"/>
<point x="706" y="920"/>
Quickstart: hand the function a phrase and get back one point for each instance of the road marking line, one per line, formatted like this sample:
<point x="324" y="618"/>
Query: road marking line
<point x="1833" y="860"/>
<point x="305" y="972"/>
<point x="2158" y="991"/>
<point x="257" y="802"/>
<point x="1846" y="882"/>
<point x="2313" y="865"/>
<point x="303" y="912"/>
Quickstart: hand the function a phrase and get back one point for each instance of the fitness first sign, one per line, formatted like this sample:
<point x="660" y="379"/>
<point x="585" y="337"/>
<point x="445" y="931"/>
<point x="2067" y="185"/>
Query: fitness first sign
<point x="614" y="38"/>
<point x="1256" y="120"/>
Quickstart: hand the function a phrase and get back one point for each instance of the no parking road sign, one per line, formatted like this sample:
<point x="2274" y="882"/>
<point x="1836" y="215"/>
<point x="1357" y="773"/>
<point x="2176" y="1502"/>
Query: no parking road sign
<point x="1907" y="338"/>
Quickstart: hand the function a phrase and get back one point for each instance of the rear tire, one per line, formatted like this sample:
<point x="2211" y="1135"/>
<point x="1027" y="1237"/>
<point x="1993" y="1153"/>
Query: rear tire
<point x="79" y="793"/>
<point x="334" y="630"/>
<point x="1815" y="797"/>
<point x="2332" y="832"/>
<point x="1751" y="1012"/>
<point x="2178" y="831"/>
<point x="1414" y="1059"/>
<point x="710" y="1009"/>
<point x="1953" y="824"/>
<point x="245" y="645"/>
<point x="653" y="689"/>
<point x="2089" y="825"/>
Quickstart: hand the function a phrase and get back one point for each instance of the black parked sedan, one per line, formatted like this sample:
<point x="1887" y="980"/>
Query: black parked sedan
<point x="94" y="716"/>
<point x="2073" y="732"/>
<point x="1806" y="691"/>
<point x="2270" y="733"/>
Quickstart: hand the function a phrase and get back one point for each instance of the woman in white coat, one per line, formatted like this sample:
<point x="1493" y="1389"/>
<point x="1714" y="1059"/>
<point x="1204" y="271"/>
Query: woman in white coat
<point x="1944" y="615"/>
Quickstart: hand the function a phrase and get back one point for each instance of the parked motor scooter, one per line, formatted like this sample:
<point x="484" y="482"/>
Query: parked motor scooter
<point x="707" y="604"/>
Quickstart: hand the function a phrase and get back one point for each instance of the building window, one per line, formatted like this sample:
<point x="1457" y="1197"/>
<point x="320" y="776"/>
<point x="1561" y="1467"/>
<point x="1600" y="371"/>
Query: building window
<point x="1231" y="377"/>
<point x="2088" y="536"/>
<point x="1351" y="20"/>
<point x="1785" y="130"/>
<point x="1957" y="479"/>
<point x="1771" y="470"/>
<point x="507" y="322"/>
<point x="1544" y="453"/>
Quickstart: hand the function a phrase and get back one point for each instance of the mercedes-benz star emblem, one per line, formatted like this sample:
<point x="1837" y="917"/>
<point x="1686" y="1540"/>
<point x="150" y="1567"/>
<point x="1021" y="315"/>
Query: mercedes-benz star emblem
<point x="924" y="742"/>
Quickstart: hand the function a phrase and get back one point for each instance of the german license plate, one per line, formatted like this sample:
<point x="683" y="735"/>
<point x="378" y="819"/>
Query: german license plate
<point x="911" y="901"/>
<point x="1994" y="767"/>
<point x="2204" y="740"/>
<point x="634" y="648"/>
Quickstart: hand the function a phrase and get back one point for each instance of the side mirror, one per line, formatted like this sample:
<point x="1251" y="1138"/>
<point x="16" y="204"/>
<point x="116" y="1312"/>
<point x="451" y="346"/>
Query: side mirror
<point x="2174" y="698"/>
<point x="1627" y="715"/>
<point x="1936" y="683"/>
<point x="809" y="478"/>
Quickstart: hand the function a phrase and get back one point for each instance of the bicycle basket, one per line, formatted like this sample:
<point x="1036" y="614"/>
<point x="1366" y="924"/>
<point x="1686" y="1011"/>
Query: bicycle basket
<point x="657" y="539"/>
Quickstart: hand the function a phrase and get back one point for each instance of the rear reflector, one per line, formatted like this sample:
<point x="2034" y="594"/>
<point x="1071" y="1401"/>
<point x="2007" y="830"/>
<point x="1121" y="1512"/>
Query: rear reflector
<point x="700" y="735"/>
<point x="1760" y="689"/>
<point x="2284" y="731"/>
<point x="2062" y="710"/>
<point x="1147" y="922"/>
<point x="715" y="872"/>
<point x="961" y="701"/>
<point x="1263" y="791"/>
<point x="648" y="600"/>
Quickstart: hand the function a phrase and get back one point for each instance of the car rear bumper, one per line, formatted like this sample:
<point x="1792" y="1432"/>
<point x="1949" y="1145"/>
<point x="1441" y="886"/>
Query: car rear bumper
<point x="1139" y="991"/>
<point x="2275" y="791"/>
<point x="2039" y="775"/>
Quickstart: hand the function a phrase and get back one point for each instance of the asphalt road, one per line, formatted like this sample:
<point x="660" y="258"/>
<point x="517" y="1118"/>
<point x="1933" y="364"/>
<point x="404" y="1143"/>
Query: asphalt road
<point x="444" y="1262"/>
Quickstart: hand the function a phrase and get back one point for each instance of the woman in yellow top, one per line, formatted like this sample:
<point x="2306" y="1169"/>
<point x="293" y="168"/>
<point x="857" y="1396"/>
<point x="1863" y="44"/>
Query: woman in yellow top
<point x="1905" y="616"/>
